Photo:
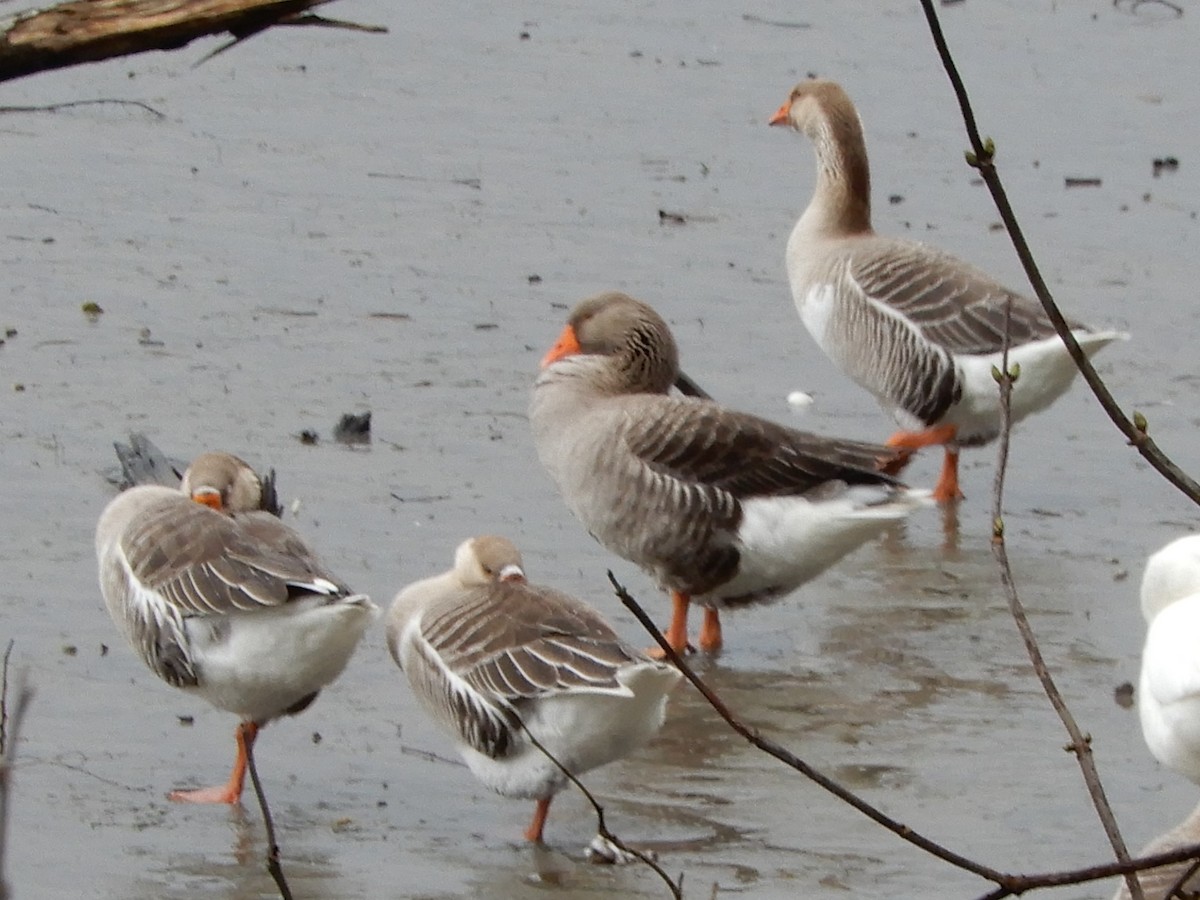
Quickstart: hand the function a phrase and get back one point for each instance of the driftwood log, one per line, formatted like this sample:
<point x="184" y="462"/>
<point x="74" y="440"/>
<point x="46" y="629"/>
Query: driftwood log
<point x="83" y="31"/>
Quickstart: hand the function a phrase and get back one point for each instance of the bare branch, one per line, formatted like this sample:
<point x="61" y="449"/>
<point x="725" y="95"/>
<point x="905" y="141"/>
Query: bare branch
<point x="273" y="865"/>
<point x="601" y="827"/>
<point x="981" y="158"/>
<point x="10" y="729"/>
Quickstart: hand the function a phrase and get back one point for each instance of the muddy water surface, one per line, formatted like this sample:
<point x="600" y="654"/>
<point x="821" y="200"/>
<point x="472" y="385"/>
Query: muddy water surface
<point x="327" y="222"/>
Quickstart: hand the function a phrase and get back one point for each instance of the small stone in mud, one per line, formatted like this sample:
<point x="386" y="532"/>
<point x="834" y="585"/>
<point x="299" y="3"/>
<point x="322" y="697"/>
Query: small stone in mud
<point x="486" y="326"/>
<point x="92" y="310"/>
<point x="316" y="737"/>
<point x="353" y="428"/>
<point x="534" y="279"/>
<point x="10" y="332"/>
<point x="1090" y="181"/>
<point x="186" y="720"/>
<point x="18" y="387"/>
<point x="104" y="649"/>
<point x="895" y="199"/>
<point x="524" y="35"/>
<point x="308" y="437"/>
<point x="70" y="649"/>
<point x="1123" y="694"/>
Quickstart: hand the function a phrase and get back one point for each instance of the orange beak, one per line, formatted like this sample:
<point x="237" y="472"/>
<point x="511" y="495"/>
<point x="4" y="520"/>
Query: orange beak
<point x="781" y="114"/>
<point x="208" y="497"/>
<point x="567" y="345"/>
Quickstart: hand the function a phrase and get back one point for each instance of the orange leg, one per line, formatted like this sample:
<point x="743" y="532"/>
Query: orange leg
<point x="710" y="632"/>
<point x="534" y="832"/>
<point x="947" y="487"/>
<point x="676" y="633"/>
<point x="918" y="440"/>
<point x="230" y="792"/>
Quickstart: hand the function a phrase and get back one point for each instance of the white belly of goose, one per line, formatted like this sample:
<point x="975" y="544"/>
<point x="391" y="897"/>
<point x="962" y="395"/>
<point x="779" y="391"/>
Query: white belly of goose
<point x="582" y="730"/>
<point x="786" y="541"/>
<point x="259" y="663"/>
<point x="1046" y="371"/>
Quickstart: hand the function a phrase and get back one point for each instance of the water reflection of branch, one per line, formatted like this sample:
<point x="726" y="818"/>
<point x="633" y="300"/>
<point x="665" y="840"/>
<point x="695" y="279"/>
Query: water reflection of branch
<point x="981" y="158"/>
<point x="602" y="828"/>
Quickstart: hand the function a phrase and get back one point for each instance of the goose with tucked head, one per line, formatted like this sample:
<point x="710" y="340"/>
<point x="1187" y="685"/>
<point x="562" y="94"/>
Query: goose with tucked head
<point x="224" y="601"/>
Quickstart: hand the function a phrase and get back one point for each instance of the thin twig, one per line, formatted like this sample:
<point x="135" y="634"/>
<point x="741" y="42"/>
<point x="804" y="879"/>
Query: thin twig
<point x="55" y="107"/>
<point x="981" y="158"/>
<point x="10" y="729"/>
<point x="1177" y="887"/>
<point x="795" y="762"/>
<point x="273" y="865"/>
<point x="4" y="701"/>
<point x="602" y="828"/>
<point x="1009" y="885"/>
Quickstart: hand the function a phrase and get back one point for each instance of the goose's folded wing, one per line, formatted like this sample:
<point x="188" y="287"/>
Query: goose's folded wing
<point x="718" y="449"/>
<point x="951" y="304"/>
<point x="204" y="563"/>
<point x="485" y="661"/>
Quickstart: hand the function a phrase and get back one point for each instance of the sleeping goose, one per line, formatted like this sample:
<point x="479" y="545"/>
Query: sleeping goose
<point x="918" y="328"/>
<point x="720" y="507"/>
<point x="225" y="601"/>
<point x="490" y="655"/>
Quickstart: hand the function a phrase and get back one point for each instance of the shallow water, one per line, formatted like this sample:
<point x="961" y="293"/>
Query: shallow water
<point x="328" y="222"/>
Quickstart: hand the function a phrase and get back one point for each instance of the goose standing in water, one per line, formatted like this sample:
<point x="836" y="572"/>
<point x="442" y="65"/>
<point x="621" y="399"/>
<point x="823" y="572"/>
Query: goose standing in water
<point x="918" y="328"/>
<point x="490" y="655"/>
<point x="225" y="601"/>
<point x="721" y="507"/>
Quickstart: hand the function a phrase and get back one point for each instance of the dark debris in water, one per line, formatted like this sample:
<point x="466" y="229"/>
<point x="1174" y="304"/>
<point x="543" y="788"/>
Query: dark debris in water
<point x="353" y="428"/>
<point x="308" y="437"/>
<point x="1123" y="694"/>
<point x="1165" y="164"/>
<point x="1088" y="181"/>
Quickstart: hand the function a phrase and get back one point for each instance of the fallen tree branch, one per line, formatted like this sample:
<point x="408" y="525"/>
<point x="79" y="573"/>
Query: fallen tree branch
<point x="82" y="31"/>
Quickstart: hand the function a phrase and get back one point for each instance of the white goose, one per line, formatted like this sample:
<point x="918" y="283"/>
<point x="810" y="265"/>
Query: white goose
<point x="1169" y="691"/>
<point x="720" y="507"/>
<point x="494" y="659"/>
<point x="1168" y="696"/>
<point x="224" y="601"/>
<point x="918" y="328"/>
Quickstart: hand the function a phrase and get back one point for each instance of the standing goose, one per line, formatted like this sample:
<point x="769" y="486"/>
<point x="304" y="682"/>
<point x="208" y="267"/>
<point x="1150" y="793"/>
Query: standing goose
<point x="918" y="328"/>
<point x="486" y="653"/>
<point x="225" y="601"/>
<point x="720" y="507"/>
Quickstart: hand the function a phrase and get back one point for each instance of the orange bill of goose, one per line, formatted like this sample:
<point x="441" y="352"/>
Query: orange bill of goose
<point x="721" y="508"/>
<point x="224" y="601"/>
<point x="499" y="663"/>
<point x="918" y="328"/>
